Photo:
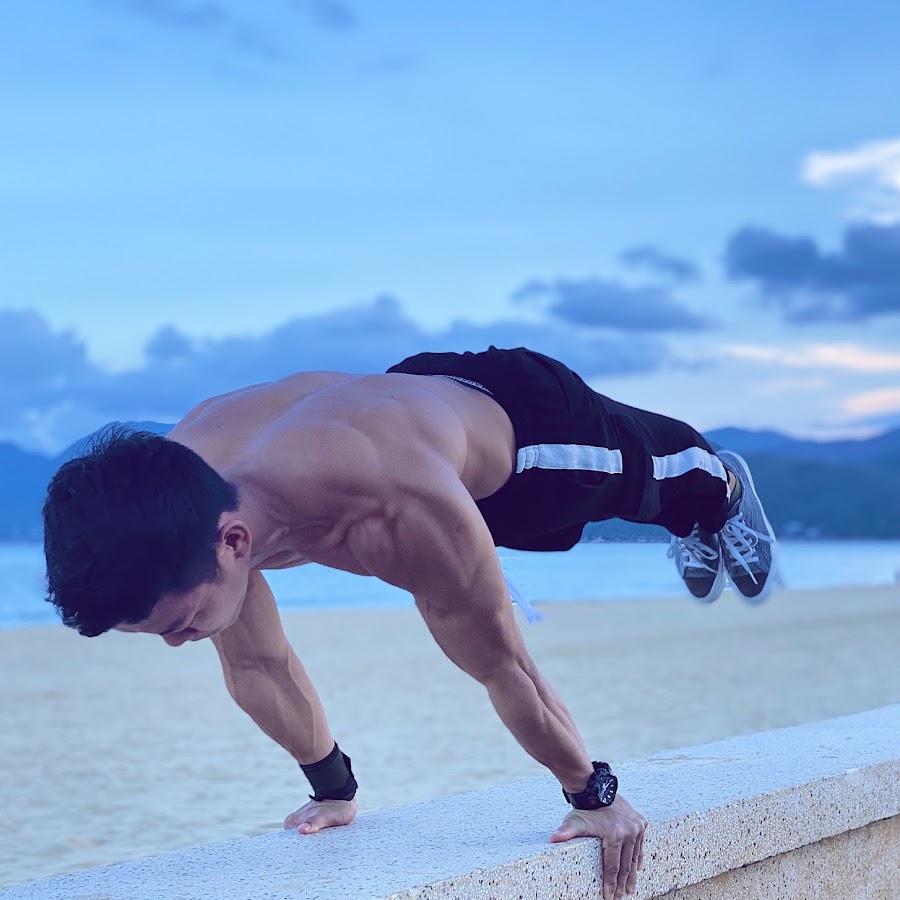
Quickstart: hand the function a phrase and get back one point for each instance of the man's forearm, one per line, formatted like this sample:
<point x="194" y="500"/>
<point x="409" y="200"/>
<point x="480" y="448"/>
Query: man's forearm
<point x="278" y="695"/>
<point x="540" y="722"/>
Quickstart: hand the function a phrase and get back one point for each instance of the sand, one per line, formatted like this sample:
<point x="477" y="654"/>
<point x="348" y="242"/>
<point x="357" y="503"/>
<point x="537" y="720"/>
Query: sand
<point x="120" y="746"/>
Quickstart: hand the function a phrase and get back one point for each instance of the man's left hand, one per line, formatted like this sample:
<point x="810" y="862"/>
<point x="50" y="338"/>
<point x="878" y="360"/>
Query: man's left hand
<point x="621" y="832"/>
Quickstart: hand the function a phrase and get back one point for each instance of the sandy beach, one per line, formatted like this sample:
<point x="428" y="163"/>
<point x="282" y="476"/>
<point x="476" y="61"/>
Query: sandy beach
<point x="121" y="747"/>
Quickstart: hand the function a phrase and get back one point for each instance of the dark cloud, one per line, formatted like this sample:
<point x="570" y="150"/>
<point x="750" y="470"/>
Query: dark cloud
<point x="38" y="367"/>
<point x="33" y="357"/>
<point x="590" y="356"/>
<point x="70" y="396"/>
<point x="652" y="259"/>
<point x="254" y="43"/>
<point x="602" y="303"/>
<point x="168" y="344"/>
<point x="859" y="281"/>
<point x="366" y="338"/>
<point x="332" y="14"/>
<point x="206" y="16"/>
<point x="217" y="21"/>
<point x="391" y="64"/>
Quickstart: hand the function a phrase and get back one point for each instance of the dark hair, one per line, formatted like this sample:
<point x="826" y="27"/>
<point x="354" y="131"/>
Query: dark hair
<point x="134" y="518"/>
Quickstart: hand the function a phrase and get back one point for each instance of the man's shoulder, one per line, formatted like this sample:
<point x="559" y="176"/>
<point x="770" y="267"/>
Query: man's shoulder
<point x="292" y="388"/>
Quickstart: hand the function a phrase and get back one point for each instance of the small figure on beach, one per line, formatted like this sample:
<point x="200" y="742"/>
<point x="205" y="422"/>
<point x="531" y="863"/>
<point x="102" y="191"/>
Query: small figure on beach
<point x="414" y="476"/>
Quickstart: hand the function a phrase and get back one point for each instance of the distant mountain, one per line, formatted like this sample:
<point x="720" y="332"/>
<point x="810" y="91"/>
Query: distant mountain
<point x="811" y="489"/>
<point x="743" y="442"/>
<point x="23" y="482"/>
<point x="813" y="498"/>
<point x="770" y="443"/>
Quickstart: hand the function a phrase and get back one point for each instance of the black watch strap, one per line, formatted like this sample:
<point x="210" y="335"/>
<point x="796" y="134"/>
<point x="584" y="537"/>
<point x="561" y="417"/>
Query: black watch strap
<point x="600" y="791"/>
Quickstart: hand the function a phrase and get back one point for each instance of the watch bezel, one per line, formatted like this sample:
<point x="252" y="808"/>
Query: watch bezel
<point x="598" y="787"/>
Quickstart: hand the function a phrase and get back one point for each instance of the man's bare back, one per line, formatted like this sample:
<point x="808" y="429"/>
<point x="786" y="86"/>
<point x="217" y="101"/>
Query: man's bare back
<point x="253" y="435"/>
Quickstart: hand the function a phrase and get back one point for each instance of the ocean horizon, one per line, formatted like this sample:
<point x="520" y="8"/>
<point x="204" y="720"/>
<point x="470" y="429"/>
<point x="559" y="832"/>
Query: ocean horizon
<point x="602" y="571"/>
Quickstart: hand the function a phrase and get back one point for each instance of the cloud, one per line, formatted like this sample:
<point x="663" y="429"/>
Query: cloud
<point x="38" y="367"/>
<point x="253" y="42"/>
<point x="205" y="17"/>
<point x="879" y="402"/>
<point x="875" y="166"/>
<point x="51" y="393"/>
<point x="168" y="345"/>
<point x="839" y="357"/>
<point x="603" y="303"/>
<point x="791" y="385"/>
<point x="590" y="356"/>
<point x="858" y="282"/>
<point x="331" y="14"/>
<point x="390" y="64"/>
<point x="652" y="259"/>
<point x="35" y="359"/>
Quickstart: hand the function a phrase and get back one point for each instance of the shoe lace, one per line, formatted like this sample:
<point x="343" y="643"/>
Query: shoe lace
<point x="742" y="542"/>
<point x="693" y="551"/>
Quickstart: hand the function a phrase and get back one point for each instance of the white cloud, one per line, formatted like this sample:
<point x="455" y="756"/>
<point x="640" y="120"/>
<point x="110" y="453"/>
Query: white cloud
<point x="844" y="357"/>
<point x="879" y="402"/>
<point x="874" y="166"/>
<point x="791" y="384"/>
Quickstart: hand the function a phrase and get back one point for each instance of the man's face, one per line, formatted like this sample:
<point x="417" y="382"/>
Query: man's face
<point x="200" y="613"/>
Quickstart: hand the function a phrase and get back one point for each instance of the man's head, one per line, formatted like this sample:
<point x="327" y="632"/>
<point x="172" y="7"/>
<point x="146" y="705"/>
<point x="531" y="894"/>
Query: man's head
<point x="142" y="534"/>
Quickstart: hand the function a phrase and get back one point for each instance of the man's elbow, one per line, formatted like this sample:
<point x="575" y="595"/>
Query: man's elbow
<point x="502" y="673"/>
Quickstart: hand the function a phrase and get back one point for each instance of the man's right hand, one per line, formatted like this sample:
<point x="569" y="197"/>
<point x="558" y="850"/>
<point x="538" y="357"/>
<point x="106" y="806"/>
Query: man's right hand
<point x="315" y="815"/>
<point x="621" y="831"/>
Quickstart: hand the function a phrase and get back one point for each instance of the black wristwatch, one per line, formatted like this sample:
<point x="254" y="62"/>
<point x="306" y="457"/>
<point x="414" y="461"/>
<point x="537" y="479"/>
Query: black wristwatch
<point x="600" y="791"/>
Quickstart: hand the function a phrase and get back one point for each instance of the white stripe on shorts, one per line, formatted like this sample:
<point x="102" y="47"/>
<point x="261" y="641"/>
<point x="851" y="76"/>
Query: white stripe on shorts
<point x="569" y="456"/>
<point x="680" y="463"/>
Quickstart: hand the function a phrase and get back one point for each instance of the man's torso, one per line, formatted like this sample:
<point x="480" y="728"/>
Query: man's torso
<point x="253" y="434"/>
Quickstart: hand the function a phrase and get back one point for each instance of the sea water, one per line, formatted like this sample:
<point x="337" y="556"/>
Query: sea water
<point x="602" y="571"/>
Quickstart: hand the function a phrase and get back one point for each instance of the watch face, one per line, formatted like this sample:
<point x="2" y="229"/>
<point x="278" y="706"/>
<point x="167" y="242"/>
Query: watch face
<point x="606" y="789"/>
<point x="600" y="791"/>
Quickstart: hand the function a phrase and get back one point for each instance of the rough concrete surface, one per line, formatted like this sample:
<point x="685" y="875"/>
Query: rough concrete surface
<point x="713" y="809"/>
<point x="857" y="865"/>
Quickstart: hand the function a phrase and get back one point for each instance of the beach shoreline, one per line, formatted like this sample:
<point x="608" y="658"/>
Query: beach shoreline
<point x="120" y="747"/>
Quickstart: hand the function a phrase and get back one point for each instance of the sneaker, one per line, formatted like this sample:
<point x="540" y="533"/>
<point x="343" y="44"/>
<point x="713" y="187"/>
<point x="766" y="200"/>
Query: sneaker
<point x="747" y="539"/>
<point x="699" y="562"/>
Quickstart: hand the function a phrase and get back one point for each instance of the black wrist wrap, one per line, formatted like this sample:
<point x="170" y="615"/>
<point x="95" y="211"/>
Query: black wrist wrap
<point x="331" y="778"/>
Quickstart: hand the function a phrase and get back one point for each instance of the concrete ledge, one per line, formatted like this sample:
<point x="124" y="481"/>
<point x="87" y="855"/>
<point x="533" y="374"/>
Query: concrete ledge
<point x="750" y="816"/>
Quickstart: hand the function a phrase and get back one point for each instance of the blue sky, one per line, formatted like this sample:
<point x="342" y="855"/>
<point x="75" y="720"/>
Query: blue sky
<point x="694" y="205"/>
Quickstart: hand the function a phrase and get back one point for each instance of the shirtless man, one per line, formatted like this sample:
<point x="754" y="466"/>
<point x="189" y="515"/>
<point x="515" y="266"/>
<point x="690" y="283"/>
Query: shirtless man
<point x="414" y="477"/>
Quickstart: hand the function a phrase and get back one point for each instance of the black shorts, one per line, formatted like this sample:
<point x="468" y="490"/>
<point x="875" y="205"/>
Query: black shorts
<point x="582" y="457"/>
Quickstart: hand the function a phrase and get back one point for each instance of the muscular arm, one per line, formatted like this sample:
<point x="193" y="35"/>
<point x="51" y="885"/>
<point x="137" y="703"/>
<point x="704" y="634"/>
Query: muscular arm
<point x="265" y="677"/>
<point x="432" y="541"/>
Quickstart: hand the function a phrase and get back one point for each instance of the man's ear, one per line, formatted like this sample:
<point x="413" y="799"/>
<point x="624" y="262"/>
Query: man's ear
<point x="235" y="535"/>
